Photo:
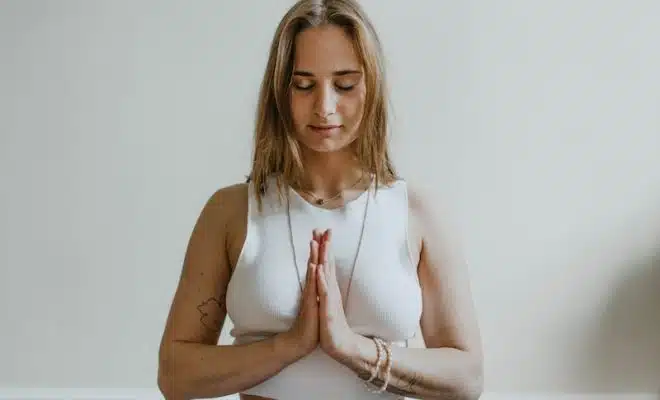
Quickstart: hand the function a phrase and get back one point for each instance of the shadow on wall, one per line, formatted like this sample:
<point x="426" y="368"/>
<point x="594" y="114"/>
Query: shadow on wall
<point x="623" y="353"/>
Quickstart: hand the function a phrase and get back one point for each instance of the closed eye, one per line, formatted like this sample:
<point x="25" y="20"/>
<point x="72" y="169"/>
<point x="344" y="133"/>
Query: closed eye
<point x="303" y="87"/>
<point x="344" y="88"/>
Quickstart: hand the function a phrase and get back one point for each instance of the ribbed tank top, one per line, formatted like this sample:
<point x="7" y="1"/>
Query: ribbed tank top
<point x="375" y="271"/>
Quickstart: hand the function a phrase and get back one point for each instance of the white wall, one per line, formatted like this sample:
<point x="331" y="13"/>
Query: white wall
<point x="537" y="123"/>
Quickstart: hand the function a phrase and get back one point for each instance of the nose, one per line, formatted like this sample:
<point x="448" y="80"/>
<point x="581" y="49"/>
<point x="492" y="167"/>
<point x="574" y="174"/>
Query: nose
<point x="326" y="102"/>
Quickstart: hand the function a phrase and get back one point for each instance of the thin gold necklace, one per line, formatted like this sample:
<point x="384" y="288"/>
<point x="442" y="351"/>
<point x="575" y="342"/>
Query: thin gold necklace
<point x="322" y="201"/>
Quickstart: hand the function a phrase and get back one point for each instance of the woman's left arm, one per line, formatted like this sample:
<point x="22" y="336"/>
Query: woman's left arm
<point x="451" y="365"/>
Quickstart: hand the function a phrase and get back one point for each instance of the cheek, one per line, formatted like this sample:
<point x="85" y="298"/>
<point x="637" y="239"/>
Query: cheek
<point x="352" y="107"/>
<point x="299" y="110"/>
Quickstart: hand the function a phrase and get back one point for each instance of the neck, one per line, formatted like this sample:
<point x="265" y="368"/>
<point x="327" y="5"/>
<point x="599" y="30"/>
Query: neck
<point x="328" y="173"/>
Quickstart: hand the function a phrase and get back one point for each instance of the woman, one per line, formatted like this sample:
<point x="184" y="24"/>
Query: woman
<point x="326" y="262"/>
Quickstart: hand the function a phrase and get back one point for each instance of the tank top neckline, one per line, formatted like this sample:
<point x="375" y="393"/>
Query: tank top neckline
<point x="347" y="205"/>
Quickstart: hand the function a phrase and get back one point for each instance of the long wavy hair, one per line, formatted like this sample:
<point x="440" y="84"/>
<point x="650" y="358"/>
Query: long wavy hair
<point x="276" y="152"/>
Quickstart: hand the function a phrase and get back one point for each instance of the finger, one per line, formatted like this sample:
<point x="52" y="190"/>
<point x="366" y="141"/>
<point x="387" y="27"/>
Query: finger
<point x="330" y="258"/>
<point x="321" y="283"/>
<point x="323" y="254"/>
<point x="327" y="247"/>
<point x="310" y="287"/>
<point x="308" y="279"/>
<point x="323" y="249"/>
<point x="313" y="288"/>
<point x="316" y="235"/>
<point x="311" y="266"/>
<point x="313" y="252"/>
<point x="310" y="269"/>
<point x="325" y="236"/>
<point x="322" y="290"/>
<point x="329" y="272"/>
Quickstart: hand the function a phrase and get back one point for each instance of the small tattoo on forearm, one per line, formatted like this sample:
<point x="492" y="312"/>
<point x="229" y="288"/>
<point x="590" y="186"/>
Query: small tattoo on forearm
<point x="210" y="311"/>
<point x="411" y="382"/>
<point x="402" y="386"/>
<point x="379" y="382"/>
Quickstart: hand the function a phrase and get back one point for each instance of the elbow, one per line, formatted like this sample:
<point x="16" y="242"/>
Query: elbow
<point x="472" y="384"/>
<point x="165" y="386"/>
<point x="168" y="384"/>
<point x="468" y="383"/>
<point x="472" y="390"/>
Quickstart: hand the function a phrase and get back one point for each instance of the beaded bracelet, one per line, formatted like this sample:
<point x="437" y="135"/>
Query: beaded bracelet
<point x="388" y="367"/>
<point x="379" y="359"/>
<point x="384" y="350"/>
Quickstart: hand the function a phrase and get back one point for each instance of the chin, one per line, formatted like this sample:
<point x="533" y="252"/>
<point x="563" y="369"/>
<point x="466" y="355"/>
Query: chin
<point x="326" y="143"/>
<point x="324" y="147"/>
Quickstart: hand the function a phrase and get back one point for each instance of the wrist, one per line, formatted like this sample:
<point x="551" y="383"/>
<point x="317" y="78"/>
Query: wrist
<point x="372" y="359"/>
<point x="285" y="347"/>
<point x="359" y="353"/>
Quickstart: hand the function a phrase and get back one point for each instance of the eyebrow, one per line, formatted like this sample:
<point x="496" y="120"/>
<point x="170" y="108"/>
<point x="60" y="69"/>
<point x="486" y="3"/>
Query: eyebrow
<point x="336" y="73"/>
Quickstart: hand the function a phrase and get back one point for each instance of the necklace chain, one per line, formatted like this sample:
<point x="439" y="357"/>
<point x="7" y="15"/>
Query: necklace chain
<point x="357" y="252"/>
<point x="322" y="201"/>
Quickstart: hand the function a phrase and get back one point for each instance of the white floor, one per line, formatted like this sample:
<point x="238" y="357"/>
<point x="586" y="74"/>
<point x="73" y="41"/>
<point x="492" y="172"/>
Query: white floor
<point x="149" y="394"/>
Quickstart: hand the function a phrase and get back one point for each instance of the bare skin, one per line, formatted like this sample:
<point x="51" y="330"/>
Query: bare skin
<point x="191" y="363"/>
<point x="328" y="91"/>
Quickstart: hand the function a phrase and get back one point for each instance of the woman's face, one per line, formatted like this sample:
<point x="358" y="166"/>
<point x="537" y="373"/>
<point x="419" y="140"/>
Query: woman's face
<point x="328" y="90"/>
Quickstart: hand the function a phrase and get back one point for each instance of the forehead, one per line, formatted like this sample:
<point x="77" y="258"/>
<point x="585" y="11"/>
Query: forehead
<point x="325" y="49"/>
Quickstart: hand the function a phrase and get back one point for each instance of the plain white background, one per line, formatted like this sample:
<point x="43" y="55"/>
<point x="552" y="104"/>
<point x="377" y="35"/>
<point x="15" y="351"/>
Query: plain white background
<point x="536" y="124"/>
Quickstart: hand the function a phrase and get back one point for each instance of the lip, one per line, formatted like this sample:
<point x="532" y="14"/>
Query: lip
<point x="325" y="130"/>
<point x="324" y="127"/>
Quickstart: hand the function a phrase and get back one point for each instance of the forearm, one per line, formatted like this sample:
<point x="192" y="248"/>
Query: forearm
<point x="442" y="373"/>
<point x="195" y="371"/>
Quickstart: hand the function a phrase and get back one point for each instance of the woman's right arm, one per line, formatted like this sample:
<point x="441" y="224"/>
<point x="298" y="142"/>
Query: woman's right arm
<point x="191" y="363"/>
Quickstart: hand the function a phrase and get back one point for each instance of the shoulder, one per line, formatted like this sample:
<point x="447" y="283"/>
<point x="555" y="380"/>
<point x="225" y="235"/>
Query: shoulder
<point x="223" y="203"/>
<point x="226" y="210"/>
<point x="419" y="197"/>
<point x="237" y="192"/>
<point x="420" y="202"/>
<point x="228" y="195"/>
<point x="429" y="213"/>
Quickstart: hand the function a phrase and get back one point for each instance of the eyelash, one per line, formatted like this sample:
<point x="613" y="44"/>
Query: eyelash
<point x="342" y="88"/>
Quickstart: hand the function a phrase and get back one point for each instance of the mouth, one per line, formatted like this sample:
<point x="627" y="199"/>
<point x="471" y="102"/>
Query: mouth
<point x="325" y="130"/>
<point x="325" y="127"/>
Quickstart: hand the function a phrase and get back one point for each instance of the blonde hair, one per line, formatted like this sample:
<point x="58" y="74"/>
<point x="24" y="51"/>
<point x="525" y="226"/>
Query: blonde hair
<point x="276" y="152"/>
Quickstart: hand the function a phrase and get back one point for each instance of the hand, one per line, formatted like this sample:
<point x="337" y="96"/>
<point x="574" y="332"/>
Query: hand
<point x="304" y="332"/>
<point x="335" y="334"/>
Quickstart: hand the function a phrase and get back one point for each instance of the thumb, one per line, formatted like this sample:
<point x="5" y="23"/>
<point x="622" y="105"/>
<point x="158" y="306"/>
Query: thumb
<point x="312" y="291"/>
<point x="331" y="269"/>
<point x="322" y="282"/>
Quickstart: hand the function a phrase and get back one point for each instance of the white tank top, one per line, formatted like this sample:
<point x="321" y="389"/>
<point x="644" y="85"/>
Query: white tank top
<point x="376" y="274"/>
